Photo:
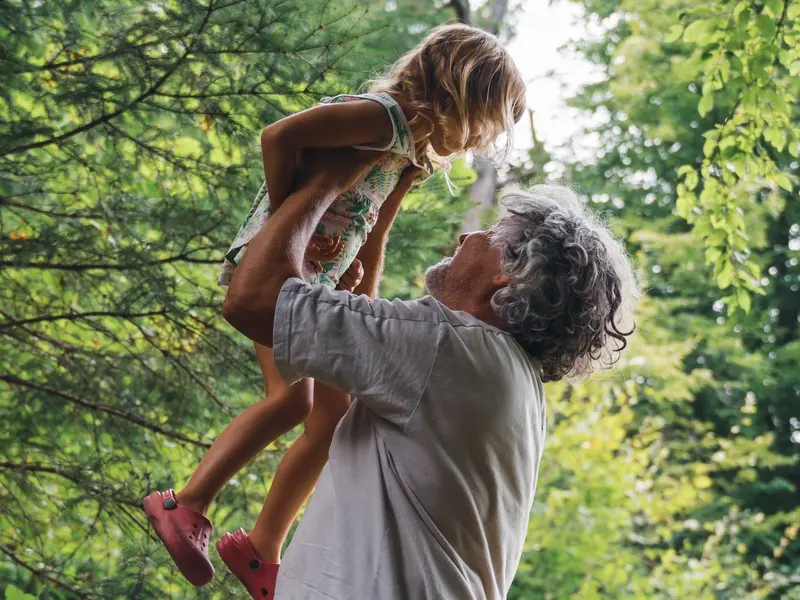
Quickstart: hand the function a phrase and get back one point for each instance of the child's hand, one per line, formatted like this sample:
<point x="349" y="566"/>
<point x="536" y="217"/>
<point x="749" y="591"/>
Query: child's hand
<point x="322" y="249"/>
<point x="352" y="277"/>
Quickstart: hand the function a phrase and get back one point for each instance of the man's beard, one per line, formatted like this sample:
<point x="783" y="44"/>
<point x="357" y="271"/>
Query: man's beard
<point x="435" y="278"/>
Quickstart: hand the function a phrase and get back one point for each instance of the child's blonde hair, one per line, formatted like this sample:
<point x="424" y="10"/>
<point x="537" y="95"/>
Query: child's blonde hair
<point x="462" y="77"/>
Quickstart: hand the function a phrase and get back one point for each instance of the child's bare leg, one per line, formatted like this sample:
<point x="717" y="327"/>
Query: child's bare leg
<point x="248" y="434"/>
<point x="298" y="473"/>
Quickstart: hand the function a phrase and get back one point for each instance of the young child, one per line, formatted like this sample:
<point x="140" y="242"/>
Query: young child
<point x="458" y="89"/>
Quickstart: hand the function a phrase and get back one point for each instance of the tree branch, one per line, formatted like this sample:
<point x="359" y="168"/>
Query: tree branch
<point x="141" y="97"/>
<point x="782" y="19"/>
<point x="462" y="10"/>
<point x="73" y="476"/>
<point x="131" y="418"/>
<point x="109" y="266"/>
<point x="43" y="574"/>
<point x="49" y="213"/>
<point x="499" y="9"/>
<point x="80" y="316"/>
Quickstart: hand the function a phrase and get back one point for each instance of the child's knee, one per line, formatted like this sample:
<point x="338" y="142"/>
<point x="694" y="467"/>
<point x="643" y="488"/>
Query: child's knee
<point x="296" y="401"/>
<point x="322" y="422"/>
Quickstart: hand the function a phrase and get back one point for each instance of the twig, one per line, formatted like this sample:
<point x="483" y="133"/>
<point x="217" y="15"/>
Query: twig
<point x="462" y="10"/>
<point x="105" y="118"/>
<point x="81" y="316"/>
<point x="73" y="476"/>
<point x="109" y="266"/>
<point x="43" y="573"/>
<point x="135" y="419"/>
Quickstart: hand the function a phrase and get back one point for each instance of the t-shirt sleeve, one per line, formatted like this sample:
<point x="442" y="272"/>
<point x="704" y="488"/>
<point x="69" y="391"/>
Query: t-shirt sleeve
<point x="379" y="351"/>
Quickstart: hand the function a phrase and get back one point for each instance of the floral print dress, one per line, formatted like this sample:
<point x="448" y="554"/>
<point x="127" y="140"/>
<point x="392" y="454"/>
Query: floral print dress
<point x="354" y="213"/>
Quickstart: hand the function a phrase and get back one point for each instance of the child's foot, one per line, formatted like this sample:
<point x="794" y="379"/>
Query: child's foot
<point x="256" y="575"/>
<point x="185" y="534"/>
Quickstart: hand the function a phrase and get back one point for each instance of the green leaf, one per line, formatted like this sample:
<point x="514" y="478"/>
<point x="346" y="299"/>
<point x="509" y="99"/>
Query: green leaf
<point x="776" y="136"/>
<point x="691" y="180"/>
<point x="794" y="68"/>
<point x="683" y="206"/>
<point x="766" y="26"/>
<point x="674" y="34"/>
<point x="186" y="146"/>
<point x="725" y="276"/>
<point x="706" y="104"/>
<point x="775" y="7"/>
<point x="783" y="180"/>
<point x="713" y="255"/>
<point x="786" y="57"/>
<point x="14" y="593"/>
<point x="708" y="147"/>
<point x="727" y="142"/>
<point x="743" y="299"/>
<point x="696" y="32"/>
<point x="724" y="71"/>
<point x="743" y="18"/>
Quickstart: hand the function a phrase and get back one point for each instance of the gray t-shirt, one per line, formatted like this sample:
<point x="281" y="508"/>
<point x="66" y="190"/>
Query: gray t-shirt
<point x="432" y="471"/>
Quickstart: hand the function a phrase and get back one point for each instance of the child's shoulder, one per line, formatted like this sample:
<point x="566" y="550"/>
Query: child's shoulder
<point x="400" y="115"/>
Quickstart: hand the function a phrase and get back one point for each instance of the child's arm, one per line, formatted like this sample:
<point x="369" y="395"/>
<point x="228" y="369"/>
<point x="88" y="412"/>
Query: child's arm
<point x="359" y="122"/>
<point x="371" y="253"/>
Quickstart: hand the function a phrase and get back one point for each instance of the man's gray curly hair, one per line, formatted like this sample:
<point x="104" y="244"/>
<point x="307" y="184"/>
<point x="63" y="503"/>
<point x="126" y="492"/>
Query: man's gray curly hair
<point x="573" y="290"/>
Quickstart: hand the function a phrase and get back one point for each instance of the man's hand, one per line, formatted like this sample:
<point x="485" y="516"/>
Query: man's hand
<point x="352" y="277"/>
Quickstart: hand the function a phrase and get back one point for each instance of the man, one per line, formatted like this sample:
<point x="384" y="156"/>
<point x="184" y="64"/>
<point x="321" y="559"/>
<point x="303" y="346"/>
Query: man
<point x="432" y="472"/>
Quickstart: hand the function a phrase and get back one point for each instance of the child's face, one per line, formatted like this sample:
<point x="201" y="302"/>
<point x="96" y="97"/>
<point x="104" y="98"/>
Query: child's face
<point x="444" y="138"/>
<point x="438" y="142"/>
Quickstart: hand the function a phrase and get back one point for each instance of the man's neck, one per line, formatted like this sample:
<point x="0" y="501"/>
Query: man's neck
<point x="482" y="311"/>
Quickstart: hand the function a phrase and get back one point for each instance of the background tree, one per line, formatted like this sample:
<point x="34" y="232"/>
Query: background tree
<point x="687" y="482"/>
<point x="128" y="156"/>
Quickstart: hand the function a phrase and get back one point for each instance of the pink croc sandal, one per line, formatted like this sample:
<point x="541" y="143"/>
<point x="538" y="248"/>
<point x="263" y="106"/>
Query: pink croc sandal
<point x="257" y="576"/>
<point x="185" y="534"/>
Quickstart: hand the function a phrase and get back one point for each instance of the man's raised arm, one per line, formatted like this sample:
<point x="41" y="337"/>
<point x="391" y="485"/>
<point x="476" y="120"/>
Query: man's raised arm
<point x="276" y="253"/>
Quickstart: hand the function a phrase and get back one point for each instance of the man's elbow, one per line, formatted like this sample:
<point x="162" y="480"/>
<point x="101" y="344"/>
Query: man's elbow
<point x="250" y="319"/>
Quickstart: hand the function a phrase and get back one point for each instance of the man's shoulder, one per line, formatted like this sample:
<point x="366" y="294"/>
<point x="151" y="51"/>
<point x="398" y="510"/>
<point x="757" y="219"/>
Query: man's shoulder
<point x="426" y="311"/>
<point x="464" y="322"/>
<point x="495" y="346"/>
<point x="323" y="298"/>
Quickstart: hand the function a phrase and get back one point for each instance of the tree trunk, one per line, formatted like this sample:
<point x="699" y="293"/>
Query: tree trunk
<point x="499" y="9"/>
<point x="482" y="193"/>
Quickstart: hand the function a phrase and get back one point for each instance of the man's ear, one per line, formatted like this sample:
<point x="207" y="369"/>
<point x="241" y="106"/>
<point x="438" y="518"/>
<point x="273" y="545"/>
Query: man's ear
<point x="501" y="280"/>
